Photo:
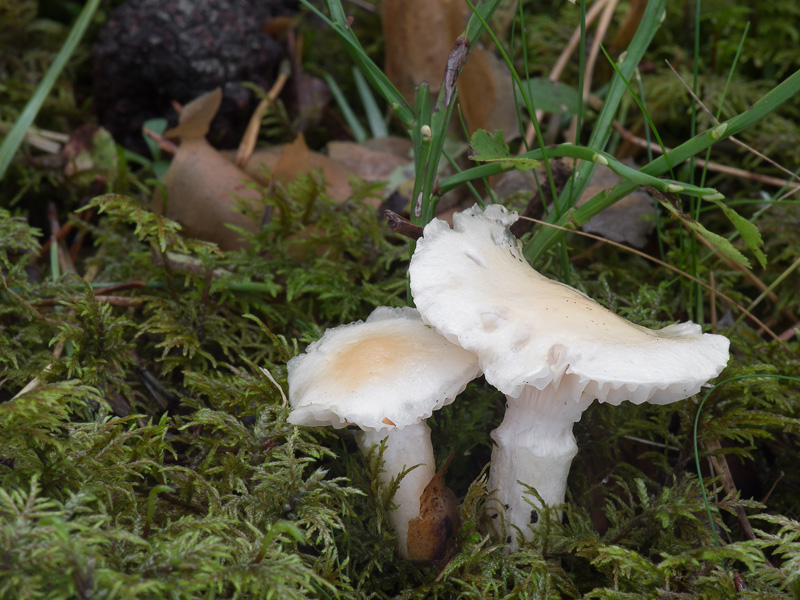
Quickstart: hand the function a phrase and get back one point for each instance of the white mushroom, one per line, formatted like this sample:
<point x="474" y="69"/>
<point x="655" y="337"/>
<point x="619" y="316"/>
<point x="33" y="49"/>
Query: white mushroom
<point x="386" y="375"/>
<point x="549" y="348"/>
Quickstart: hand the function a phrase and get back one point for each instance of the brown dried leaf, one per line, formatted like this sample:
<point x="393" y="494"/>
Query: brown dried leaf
<point x="485" y="93"/>
<point x="432" y="533"/>
<point x="287" y="163"/>
<point x="419" y="35"/>
<point x="205" y="190"/>
<point x="368" y="161"/>
<point x="423" y="44"/>
<point x="196" y="117"/>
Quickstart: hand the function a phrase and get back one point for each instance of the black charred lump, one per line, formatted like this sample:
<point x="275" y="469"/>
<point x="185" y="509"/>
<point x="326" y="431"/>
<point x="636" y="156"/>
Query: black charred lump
<point x="151" y="52"/>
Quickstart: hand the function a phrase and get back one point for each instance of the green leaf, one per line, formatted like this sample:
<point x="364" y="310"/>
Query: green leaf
<point x="491" y="147"/>
<point x="749" y="232"/>
<point x="719" y="243"/>
<point x="551" y="96"/>
<point x="159" y="125"/>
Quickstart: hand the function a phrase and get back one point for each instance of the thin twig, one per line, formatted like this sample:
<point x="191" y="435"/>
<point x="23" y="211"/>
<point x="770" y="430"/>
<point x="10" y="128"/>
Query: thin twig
<point x="594" y="51"/>
<point x="122" y="301"/>
<point x="402" y="226"/>
<point x="790" y="333"/>
<point x="117" y="287"/>
<point x="772" y="488"/>
<point x="22" y="300"/>
<point x="720" y="464"/>
<point x="629" y="136"/>
<point x="163" y="143"/>
<point x="248" y="143"/>
<point x="640" y="440"/>
<point x="268" y="375"/>
<point x="712" y="301"/>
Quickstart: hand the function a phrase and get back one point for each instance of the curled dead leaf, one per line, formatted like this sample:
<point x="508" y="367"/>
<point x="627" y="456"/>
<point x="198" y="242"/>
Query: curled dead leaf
<point x="432" y="534"/>
<point x="287" y="163"/>
<point x="204" y="190"/>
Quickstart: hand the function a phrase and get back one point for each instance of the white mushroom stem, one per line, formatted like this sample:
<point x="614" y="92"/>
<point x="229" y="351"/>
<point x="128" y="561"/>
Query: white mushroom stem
<point x="534" y="445"/>
<point x="405" y="448"/>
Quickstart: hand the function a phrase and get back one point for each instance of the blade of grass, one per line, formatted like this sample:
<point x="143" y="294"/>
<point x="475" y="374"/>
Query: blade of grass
<point x="724" y="94"/>
<point x="526" y="97"/>
<point x="445" y="102"/>
<point x="695" y="302"/>
<point x="374" y="115"/>
<point x="421" y="140"/>
<point x="591" y="155"/>
<point x="428" y="147"/>
<point x="373" y="73"/>
<point x="358" y="131"/>
<point x="641" y="106"/>
<point x="603" y="126"/>
<point x="14" y="138"/>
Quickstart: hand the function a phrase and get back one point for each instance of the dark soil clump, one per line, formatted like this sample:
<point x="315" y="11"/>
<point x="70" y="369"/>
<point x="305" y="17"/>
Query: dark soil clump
<point x="151" y="52"/>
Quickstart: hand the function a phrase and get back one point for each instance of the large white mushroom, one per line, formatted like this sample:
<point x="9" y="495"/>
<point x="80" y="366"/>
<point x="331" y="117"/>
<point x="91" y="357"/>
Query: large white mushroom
<point x="386" y="375"/>
<point x="549" y="348"/>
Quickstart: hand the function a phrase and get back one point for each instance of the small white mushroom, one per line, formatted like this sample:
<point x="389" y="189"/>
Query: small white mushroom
<point x="549" y="348"/>
<point x="386" y="375"/>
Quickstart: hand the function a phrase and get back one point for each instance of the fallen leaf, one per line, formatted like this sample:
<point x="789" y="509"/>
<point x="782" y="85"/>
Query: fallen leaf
<point x="195" y="118"/>
<point x="370" y="161"/>
<point x="432" y="533"/>
<point x="418" y="40"/>
<point x="204" y="189"/>
<point x="484" y="89"/>
<point x="420" y="36"/>
<point x="286" y="163"/>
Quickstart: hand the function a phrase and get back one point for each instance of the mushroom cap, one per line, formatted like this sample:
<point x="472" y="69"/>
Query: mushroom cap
<point x="392" y="369"/>
<point x="473" y="285"/>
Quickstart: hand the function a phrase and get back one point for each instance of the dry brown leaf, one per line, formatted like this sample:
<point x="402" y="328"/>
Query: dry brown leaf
<point x="419" y="37"/>
<point x="204" y="189"/>
<point x="477" y="91"/>
<point x="486" y="92"/>
<point x="196" y="117"/>
<point x="287" y="163"/>
<point x="432" y="534"/>
<point x="399" y="146"/>
<point x="418" y="40"/>
<point x="370" y="162"/>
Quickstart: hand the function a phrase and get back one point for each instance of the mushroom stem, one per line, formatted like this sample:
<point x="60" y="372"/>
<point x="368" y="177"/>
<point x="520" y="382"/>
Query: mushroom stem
<point x="405" y="448"/>
<point x="534" y="445"/>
